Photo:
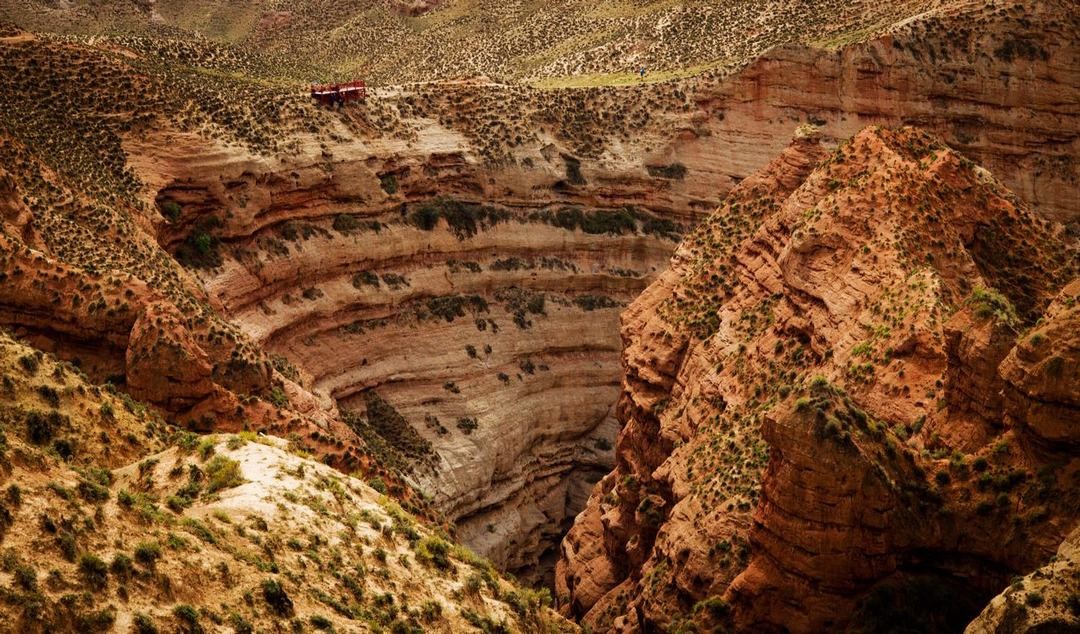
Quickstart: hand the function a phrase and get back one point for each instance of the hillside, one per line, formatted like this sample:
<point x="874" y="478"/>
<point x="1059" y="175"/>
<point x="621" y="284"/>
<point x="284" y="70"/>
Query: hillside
<point x="114" y="521"/>
<point x="848" y="396"/>
<point x="571" y="41"/>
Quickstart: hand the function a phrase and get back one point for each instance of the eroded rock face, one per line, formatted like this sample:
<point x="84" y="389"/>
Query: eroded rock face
<point x="961" y="72"/>
<point x="802" y="448"/>
<point x="1041" y="374"/>
<point x="480" y="305"/>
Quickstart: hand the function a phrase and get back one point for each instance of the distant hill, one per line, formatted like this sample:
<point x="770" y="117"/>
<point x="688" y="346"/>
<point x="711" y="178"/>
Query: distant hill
<point x="395" y="41"/>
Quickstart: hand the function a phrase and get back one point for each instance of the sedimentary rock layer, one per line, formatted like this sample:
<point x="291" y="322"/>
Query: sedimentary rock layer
<point x="801" y="448"/>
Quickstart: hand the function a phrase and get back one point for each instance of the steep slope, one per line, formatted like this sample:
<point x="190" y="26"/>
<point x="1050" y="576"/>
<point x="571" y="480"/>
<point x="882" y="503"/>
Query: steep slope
<point x="812" y="434"/>
<point x="104" y="529"/>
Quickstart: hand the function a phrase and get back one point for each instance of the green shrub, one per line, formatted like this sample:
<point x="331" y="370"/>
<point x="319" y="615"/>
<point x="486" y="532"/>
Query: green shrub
<point x="278" y="397"/>
<point x="94" y="571"/>
<point x="990" y="303"/>
<point x="378" y="484"/>
<point x="121" y="566"/>
<point x="29" y="363"/>
<point x="450" y="307"/>
<point x="345" y="223"/>
<point x="189" y="619"/>
<point x="594" y="302"/>
<point x="276" y="597"/>
<point x="144" y="624"/>
<point x="609" y="222"/>
<point x="365" y="278"/>
<point x="467" y="424"/>
<point x="573" y="170"/>
<point x="171" y="211"/>
<point x="426" y="217"/>
<point x="40" y="427"/>
<point x="201" y="248"/>
<point x="675" y="171"/>
<point x="49" y="394"/>
<point x="26" y="577"/>
<point x="95" y="621"/>
<point x="320" y="622"/>
<point x="430" y="611"/>
<point x="435" y="552"/>
<point x="147" y="553"/>
<point x="222" y="473"/>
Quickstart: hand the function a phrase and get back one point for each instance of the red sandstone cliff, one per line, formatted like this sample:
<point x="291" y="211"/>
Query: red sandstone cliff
<point x="830" y="414"/>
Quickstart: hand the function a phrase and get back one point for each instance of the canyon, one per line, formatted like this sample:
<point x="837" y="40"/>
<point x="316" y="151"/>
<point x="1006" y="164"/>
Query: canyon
<point x="771" y="340"/>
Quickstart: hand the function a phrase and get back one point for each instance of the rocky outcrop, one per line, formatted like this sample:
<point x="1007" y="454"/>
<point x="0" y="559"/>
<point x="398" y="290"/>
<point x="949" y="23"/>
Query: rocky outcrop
<point x="1044" y="601"/>
<point x="801" y="447"/>
<point x="1040" y="374"/>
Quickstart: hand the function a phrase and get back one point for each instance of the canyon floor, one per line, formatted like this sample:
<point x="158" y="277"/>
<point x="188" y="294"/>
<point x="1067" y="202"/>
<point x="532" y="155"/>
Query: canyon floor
<point x="616" y="316"/>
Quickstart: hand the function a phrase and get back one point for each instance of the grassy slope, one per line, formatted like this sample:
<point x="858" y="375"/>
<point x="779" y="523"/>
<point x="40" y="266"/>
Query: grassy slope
<point x="108" y="516"/>
<point x="517" y="40"/>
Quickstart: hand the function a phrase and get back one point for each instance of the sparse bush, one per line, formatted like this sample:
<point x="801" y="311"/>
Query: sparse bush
<point x="594" y="302"/>
<point x="430" y="611"/>
<point x="26" y="577"/>
<point x="435" y="552"/>
<point x="675" y="171"/>
<point x="345" y="223"/>
<point x="365" y="278"/>
<point x="144" y="624"/>
<point x="426" y="217"/>
<point x="49" y="395"/>
<point x="240" y="625"/>
<point x="29" y="363"/>
<point x="189" y="619"/>
<point x="278" y="397"/>
<point x="121" y="566"/>
<point x="378" y="484"/>
<point x="147" y="553"/>
<point x="171" y="211"/>
<point x="41" y="427"/>
<point x="990" y="303"/>
<point x="222" y="473"/>
<point x="94" y="571"/>
<point x="467" y="424"/>
<point x="389" y="184"/>
<point x="276" y="597"/>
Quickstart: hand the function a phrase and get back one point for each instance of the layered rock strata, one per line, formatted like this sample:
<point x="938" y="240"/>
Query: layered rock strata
<point x="810" y="440"/>
<point x="485" y="315"/>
